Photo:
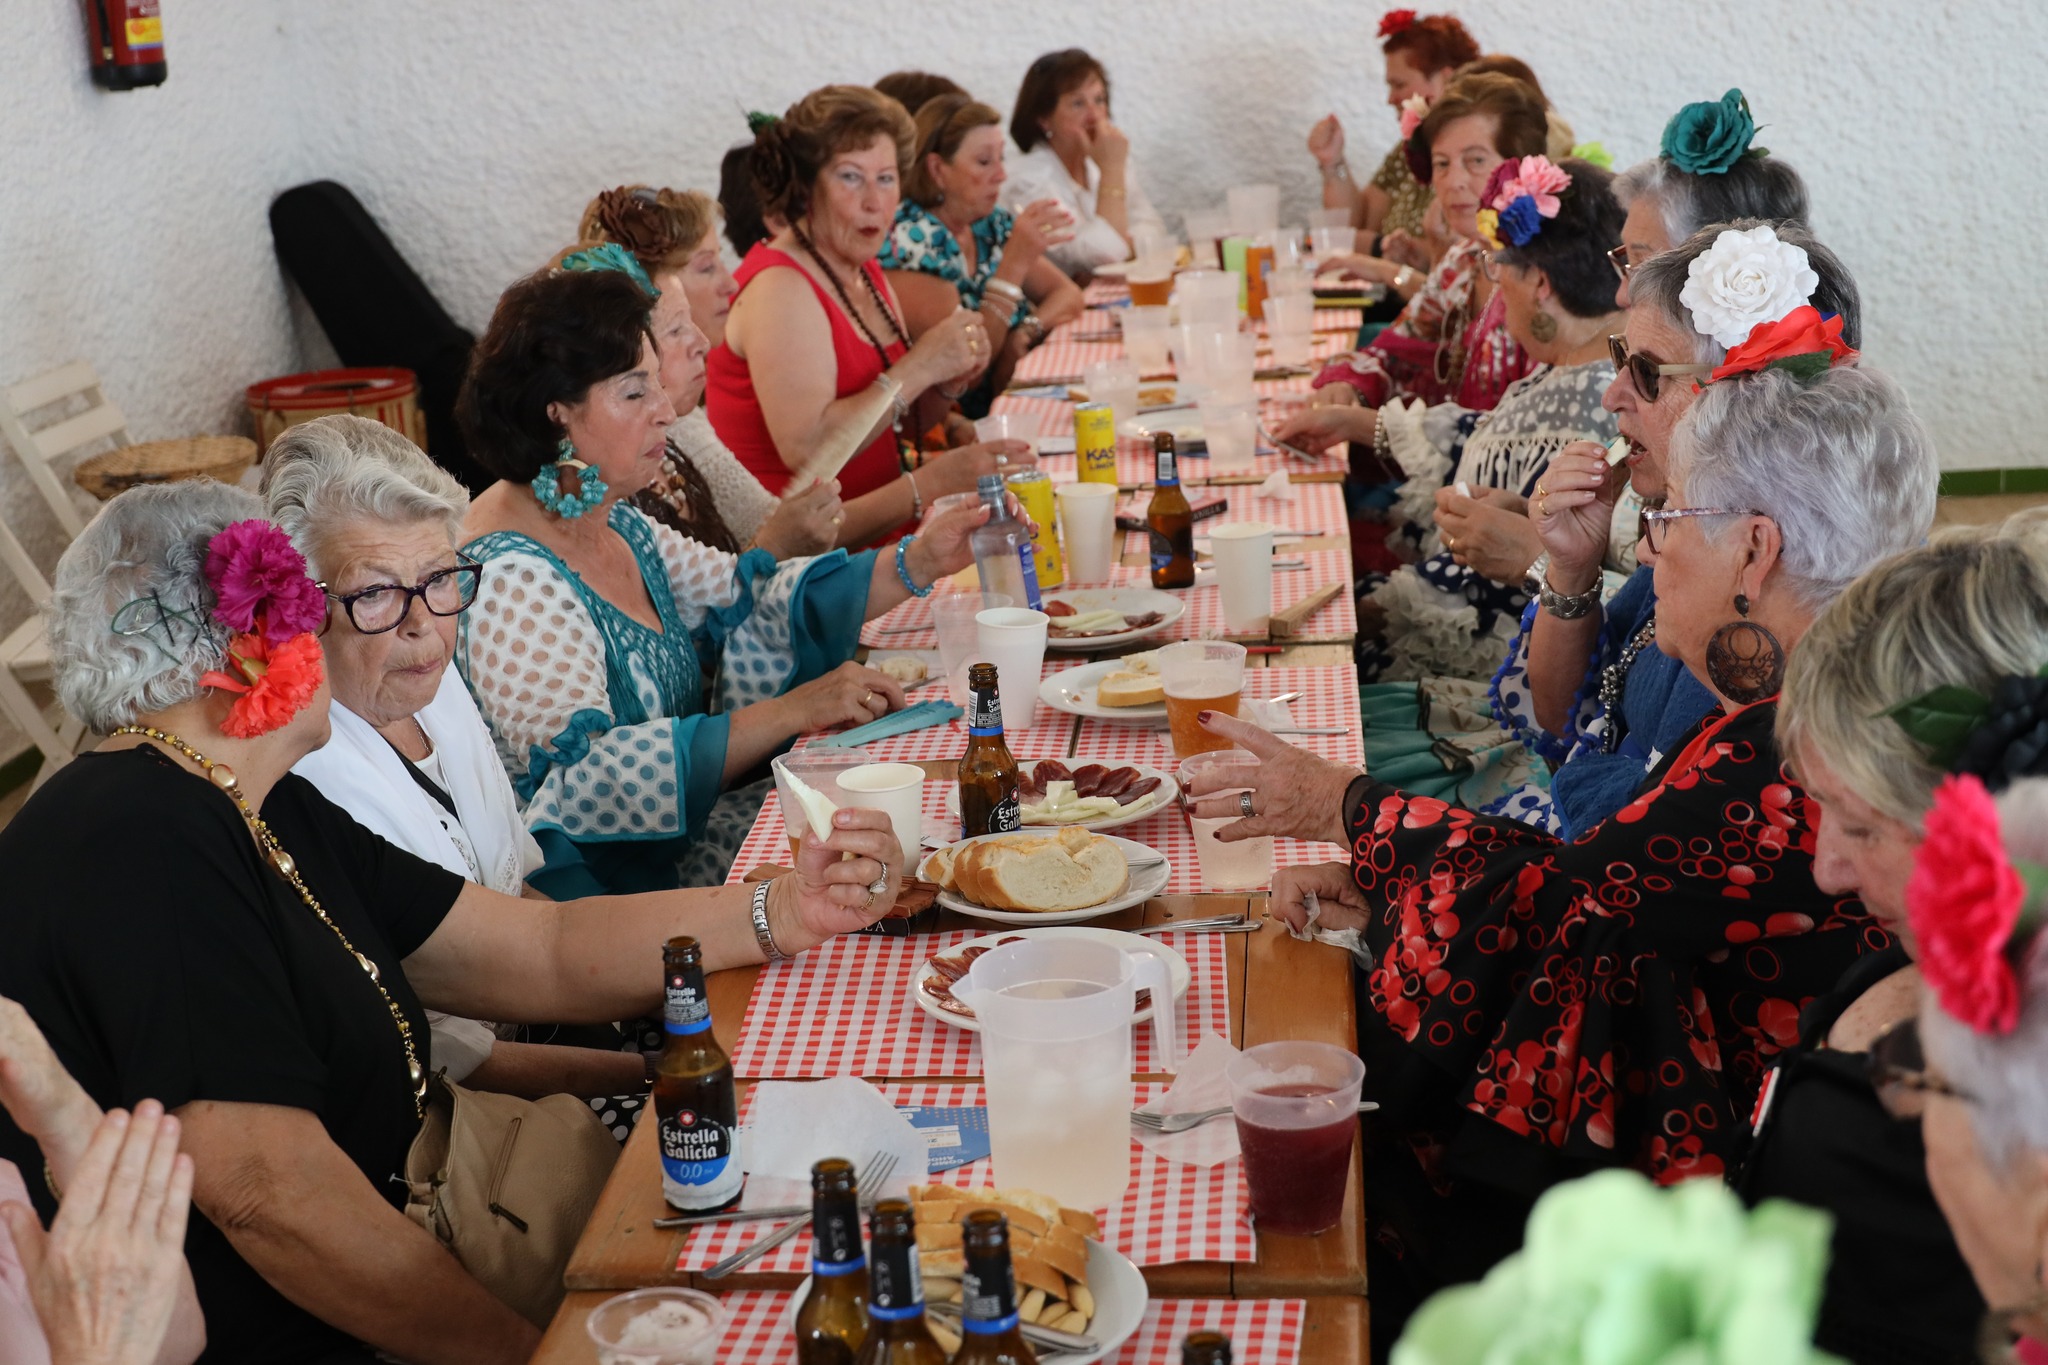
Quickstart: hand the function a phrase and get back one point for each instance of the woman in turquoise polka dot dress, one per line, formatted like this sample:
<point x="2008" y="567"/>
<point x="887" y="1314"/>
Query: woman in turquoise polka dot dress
<point x="635" y="680"/>
<point x="952" y="248"/>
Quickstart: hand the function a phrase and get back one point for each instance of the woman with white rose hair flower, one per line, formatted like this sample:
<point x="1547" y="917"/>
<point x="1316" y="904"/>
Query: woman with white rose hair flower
<point x="1532" y="1008"/>
<point x="1583" y="686"/>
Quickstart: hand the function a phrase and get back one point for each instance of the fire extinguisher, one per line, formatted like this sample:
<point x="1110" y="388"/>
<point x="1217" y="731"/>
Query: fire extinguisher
<point x="127" y="43"/>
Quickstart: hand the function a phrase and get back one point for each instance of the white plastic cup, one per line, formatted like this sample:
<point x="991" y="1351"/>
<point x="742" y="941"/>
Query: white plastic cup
<point x="1114" y="382"/>
<point x="1148" y="338"/>
<point x="1254" y="210"/>
<point x="1088" y="530"/>
<point x="1013" y="639"/>
<point x="1243" y="552"/>
<point x="960" y="634"/>
<point x="897" y="789"/>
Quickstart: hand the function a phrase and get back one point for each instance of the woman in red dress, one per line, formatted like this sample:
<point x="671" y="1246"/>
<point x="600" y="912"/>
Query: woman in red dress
<point x="1531" y="1009"/>
<point x="816" y="329"/>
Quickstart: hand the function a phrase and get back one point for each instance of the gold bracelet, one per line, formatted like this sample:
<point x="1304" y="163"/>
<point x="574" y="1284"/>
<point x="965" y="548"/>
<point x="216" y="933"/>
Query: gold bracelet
<point x="1113" y="189"/>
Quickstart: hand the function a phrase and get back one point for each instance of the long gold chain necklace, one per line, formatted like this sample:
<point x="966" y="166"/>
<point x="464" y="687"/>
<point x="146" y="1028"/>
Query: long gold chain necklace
<point x="223" y="777"/>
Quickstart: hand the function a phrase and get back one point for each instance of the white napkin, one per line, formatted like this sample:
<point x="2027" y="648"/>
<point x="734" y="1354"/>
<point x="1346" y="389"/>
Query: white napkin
<point x="794" y="1124"/>
<point x="1277" y="485"/>
<point x="1198" y="1085"/>
<point x="1349" y="939"/>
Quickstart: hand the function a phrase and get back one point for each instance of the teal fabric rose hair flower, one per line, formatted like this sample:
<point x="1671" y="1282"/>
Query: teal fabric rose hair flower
<point x="1617" y="1271"/>
<point x="1709" y="137"/>
<point x="612" y="256"/>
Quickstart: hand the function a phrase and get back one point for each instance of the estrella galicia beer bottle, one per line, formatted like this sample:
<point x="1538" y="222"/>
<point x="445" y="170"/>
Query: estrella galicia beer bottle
<point x="1169" y="520"/>
<point x="832" y="1325"/>
<point x="990" y="1330"/>
<point x="988" y="775"/>
<point x="897" y="1334"/>
<point x="1205" y="1348"/>
<point x="694" y="1101"/>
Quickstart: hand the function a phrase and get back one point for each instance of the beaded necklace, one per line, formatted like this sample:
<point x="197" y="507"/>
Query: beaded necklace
<point x="903" y="450"/>
<point x="1614" y="682"/>
<point x="223" y="777"/>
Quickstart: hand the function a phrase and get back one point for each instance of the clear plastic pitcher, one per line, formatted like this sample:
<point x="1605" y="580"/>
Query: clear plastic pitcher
<point x="1055" y="1017"/>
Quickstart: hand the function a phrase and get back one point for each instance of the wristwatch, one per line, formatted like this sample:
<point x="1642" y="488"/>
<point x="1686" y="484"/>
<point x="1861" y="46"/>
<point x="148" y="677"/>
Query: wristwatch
<point x="1534" y="576"/>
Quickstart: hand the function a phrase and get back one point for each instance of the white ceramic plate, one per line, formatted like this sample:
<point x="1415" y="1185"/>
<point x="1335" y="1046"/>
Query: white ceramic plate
<point x="1184" y="424"/>
<point x="1073" y="690"/>
<point x="1129" y="601"/>
<point x="1176" y="965"/>
<point x="1120" y="1300"/>
<point x="1145" y="883"/>
<point x="1149" y="804"/>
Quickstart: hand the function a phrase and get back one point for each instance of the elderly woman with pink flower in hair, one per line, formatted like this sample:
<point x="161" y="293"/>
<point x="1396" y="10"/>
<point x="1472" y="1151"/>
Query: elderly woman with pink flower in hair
<point x="191" y="922"/>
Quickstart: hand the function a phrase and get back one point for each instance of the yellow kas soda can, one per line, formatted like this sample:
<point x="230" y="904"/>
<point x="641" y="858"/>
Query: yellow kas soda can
<point x="1095" y="442"/>
<point x="1033" y="488"/>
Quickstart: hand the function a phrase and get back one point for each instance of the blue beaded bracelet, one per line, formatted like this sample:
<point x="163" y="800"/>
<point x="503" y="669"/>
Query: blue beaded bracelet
<point x="903" y="569"/>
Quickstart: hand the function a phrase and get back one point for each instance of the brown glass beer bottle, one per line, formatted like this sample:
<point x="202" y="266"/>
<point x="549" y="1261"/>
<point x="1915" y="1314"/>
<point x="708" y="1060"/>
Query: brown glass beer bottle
<point x="989" y="1325"/>
<point x="832" y="1325"/>
<point x="1170" y="520"/>
<point x="897" y="1334"/>
<point x="988" y="775"/>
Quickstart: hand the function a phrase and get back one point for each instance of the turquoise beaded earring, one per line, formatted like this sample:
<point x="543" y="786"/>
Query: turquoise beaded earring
<point x="547" y="485"/>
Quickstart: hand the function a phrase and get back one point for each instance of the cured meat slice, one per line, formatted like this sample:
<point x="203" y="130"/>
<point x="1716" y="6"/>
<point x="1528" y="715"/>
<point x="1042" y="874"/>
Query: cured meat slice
<point x="1088" y="779"/>
<point x="1144" y="786"/>
<point x="1050" y="770"/>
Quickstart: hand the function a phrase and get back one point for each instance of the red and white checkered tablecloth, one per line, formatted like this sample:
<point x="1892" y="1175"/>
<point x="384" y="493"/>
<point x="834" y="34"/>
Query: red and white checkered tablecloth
<point x="1262" y="1331"/>
<point x="845" y="1009"/>
<point x="1134" y="464"/>
<point x="1315" y="509"/>
<point x="1336" y="619"/>
<point x="1171" y="1211"/>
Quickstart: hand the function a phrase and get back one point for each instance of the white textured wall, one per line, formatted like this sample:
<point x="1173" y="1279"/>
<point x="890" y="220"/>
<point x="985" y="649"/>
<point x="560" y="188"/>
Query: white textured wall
<point x="133" y="229"/>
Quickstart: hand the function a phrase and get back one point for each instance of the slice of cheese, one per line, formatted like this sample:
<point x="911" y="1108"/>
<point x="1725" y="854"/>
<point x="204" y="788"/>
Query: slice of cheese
<point x="817" y="806"/>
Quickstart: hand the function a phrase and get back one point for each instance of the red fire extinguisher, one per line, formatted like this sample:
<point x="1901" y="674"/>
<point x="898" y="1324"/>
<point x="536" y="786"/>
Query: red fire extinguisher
<point x="127" y="43"/>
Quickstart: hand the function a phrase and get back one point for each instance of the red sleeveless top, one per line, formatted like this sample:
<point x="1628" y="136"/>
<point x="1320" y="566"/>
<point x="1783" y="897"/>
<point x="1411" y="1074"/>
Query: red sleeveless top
<point x="735" y="409"/>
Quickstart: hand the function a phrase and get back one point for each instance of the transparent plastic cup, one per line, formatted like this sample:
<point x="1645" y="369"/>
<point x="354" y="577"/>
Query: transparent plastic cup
<point x="1148" y="334"/>
<point x="1244" y="864"/>
<point x="819" y="769"/>
<point x="1198" y="676"/>
<point x="1114" y="382"/>
<point x="1296" y="1106"/>
<point x="960" y="635"/>
<point x="1290" y="327"/>
<point x="1230" y="427"/>
<point x="1088" y="531"/>
<point x="1206" y="230"/>
<point x="1333" y="241"/>
<point x="1006" y="426"/>
<point x="657" y="1327"/>
<point x="1254" y="210"/>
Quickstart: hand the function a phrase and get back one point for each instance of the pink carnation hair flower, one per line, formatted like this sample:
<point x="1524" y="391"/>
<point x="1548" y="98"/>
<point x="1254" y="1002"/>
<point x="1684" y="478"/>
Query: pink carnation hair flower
<point x="1542" y="181"/>
<point x="260" y="582"/>
<point x="1413" y="110"/>
<point x="1963" y="902"/>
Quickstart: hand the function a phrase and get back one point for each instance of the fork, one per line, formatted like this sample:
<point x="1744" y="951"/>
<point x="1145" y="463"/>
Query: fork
<point x="873" y="1174"/>
<point x="1180" y="1123"/>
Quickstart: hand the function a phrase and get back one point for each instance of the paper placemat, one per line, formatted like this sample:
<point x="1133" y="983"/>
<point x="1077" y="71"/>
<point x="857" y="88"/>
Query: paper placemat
<point x="844" y="1009"/>
<point x="1171" y="1212"/>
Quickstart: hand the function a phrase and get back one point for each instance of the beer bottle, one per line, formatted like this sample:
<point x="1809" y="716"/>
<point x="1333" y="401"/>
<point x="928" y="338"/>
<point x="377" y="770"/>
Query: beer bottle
<point x="1170" y="520"/>
<point x="832" y="1325"/>
<point x="1205" y="1348"/>
<point x="897" y="1334"/>
<point x="694" y="1101"/>
<point x="988" y="1296"/>
<point x="988" y="775"/>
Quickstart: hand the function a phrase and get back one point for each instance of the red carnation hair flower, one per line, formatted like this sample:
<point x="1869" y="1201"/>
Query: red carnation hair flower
<point x="1395" y="21"/>
<point x="1963" y="902"/>
<point x="273" y="682"/>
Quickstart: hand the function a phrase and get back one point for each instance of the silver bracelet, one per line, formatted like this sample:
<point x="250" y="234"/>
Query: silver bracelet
<point x="1004" y="289"/>
<point x="1340" y="169"/>
<point x="1568" y="606"/>
<point x="762" y="935"/>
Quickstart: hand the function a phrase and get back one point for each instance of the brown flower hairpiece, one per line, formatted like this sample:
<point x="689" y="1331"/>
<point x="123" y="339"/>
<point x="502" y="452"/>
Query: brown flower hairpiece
<point x="637" y="220"/>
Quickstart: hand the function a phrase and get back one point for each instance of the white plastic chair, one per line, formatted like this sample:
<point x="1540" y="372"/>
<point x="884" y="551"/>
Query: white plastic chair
<point x="39" y="448"/>
<point x="25" y="660"/>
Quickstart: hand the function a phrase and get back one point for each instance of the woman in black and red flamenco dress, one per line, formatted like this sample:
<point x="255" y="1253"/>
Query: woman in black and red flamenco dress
<point x="1533" y="1009"/>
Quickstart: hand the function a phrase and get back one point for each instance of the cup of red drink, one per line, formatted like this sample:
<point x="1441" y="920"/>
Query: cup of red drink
<point x="1297" y="1116"/>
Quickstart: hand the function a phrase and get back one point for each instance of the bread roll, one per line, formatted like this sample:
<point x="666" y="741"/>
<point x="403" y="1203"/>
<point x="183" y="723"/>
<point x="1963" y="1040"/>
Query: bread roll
<point x="1124" y="688"/>
<point x="1071" y="872"/>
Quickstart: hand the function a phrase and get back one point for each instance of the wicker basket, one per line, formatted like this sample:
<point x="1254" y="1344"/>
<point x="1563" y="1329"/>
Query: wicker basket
<point x="225" y="458"/>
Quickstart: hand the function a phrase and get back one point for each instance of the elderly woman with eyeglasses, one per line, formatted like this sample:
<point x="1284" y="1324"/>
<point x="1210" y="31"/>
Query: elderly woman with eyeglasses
<point x="1975" y="1064"/>
<point x="1533" y="1007"/>
<point x="188" y="919"/>
<point x="1968" y="611"/>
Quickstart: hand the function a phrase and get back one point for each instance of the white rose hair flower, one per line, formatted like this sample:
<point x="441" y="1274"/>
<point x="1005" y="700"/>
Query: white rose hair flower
<point x="1745" y="279"/>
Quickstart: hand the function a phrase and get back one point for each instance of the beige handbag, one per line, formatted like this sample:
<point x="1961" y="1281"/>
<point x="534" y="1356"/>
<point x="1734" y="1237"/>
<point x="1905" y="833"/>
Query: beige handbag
<point x="507" y="1185"/>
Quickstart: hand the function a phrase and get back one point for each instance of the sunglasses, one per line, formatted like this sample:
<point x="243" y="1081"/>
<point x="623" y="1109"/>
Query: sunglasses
<point x="1645" y="371"/>
<point x="1898" y="1072"/>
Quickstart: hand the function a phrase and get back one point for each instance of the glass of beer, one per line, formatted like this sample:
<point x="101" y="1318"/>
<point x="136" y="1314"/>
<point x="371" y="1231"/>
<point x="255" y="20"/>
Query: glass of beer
<point x="1200" y="675"/>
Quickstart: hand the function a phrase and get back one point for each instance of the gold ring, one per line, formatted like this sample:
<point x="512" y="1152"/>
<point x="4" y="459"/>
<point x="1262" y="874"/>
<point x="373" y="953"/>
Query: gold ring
<point x="1543" y="507"/>
<point x="1450" y="542"/>
<point x="1541" y="491"/>
<point x="867" y="697"/>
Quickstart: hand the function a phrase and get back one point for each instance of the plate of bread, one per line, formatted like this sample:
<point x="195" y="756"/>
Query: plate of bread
<point x="1066" y="1278"/>
<point x="1115" y="689"/>
<point x="1102" y="618"/>
<point x="931" y="986"/>
<point x="1027" y="877"/>
<point x="1095" y="796"/>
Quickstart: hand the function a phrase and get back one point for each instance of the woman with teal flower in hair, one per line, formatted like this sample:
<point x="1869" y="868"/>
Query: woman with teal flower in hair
<point x="952" y="247"/>
<point x="630" y="675"/>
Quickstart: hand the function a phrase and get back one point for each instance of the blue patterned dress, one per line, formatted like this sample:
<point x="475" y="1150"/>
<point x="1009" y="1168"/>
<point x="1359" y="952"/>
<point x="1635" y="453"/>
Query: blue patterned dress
<point x="919" y="241"/>
<point x="606" y="726"/>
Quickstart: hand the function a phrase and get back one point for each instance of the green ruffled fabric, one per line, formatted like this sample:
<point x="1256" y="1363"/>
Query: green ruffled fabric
<point x="1616" y="1271"/>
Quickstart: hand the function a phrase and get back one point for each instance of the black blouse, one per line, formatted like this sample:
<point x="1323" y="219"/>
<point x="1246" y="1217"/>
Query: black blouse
<point x="1898" y="1291"/>
<point x="165" y="960"/>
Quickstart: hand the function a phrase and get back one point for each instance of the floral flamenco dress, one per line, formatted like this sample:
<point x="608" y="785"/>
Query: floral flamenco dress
<point x="602" y="721"/>
<point x="1531" y="1009"/>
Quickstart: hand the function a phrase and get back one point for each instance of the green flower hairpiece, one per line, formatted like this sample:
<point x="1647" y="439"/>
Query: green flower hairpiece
<point x="756" y="120"/>
<point x="1709" y="137"/>
<point x="1596" y="153"/>
<point x="1943" y="721"/>
<point x="611" y="256"/>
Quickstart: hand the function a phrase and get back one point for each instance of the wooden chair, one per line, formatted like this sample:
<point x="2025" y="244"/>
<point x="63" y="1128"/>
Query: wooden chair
<point x="25" y="660"/>
<point x="39" y="448"/>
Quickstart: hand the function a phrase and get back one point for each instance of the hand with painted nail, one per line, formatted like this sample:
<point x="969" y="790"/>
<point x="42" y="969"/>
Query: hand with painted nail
<point x="1295" y="794"/>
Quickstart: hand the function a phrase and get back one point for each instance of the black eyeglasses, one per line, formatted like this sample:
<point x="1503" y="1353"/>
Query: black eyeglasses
<point x="1645" y="371"/>
<point x="1651" y="521"/>
<point x="384" y="606"/>
<point x="1897" y="1068"/>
